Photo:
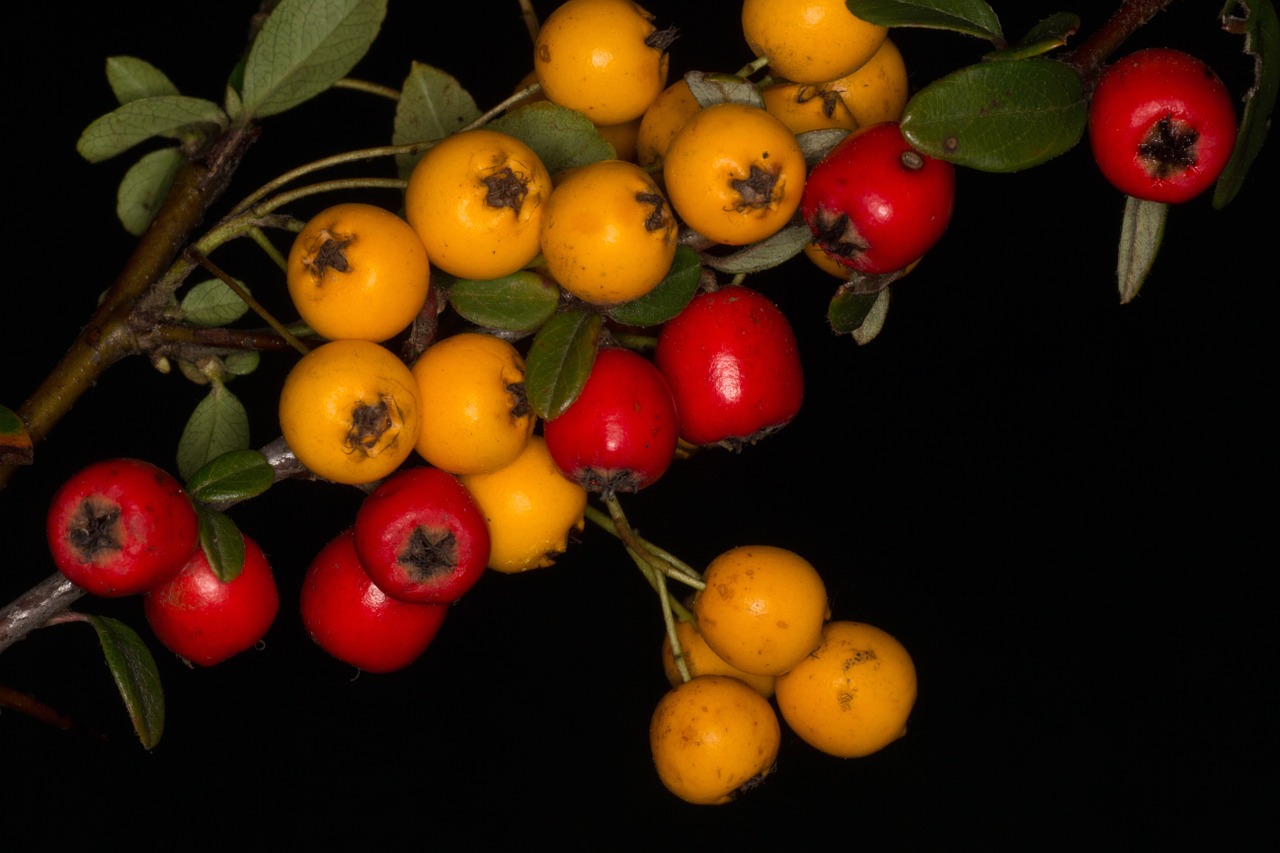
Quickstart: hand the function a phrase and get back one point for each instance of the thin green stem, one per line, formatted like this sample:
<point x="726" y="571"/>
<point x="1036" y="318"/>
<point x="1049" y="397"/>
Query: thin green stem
<point x="260" y="237"/>
<point x="258" y="309"/>
<point x="325" y="163"/>
<point x="663" y="561"/>
<point x="368" y="87"/>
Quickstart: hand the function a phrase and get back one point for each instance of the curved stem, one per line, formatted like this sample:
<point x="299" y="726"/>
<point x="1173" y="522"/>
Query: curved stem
<point x="368" y="87"/>
<point x="1090" y="55"/>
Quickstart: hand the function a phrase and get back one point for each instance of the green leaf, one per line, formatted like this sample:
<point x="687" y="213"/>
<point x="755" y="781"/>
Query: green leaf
<point x="999" y="116"/>
<point x="816" y="144"/>
<point x="212" y="303"/>
<point x="241" y="363"/>
<point x="668" y="298"/>
<point x="218" y="425"/>
<point x="432" y="105"/>
<point x="859" y="314"/>
<point x="560" y="360"/>
<point x="131" y="79"/>
<point x="1261" y="29"/>
<point x="1141" y="232"/>
<point x="136" y="676"/>
<point x="562" y="138"/>
<point x="1049" y="34"/>
<point x="971" y="17"/>
<point x="15" y="443"/>
<point x="222" y="543"/>
<point x="305" y="47"/>
<point x="233" y="476"/>
<point x="144" y="187"/>
<point x="173" y="116"/>
<point x="515" y="303"/>
<point x="766" y="254"/>
<point x="710" y="89"/>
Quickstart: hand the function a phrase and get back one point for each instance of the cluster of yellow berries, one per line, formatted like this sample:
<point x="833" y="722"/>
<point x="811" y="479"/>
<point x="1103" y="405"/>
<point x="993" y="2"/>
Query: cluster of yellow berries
<point x="481" y="205"/>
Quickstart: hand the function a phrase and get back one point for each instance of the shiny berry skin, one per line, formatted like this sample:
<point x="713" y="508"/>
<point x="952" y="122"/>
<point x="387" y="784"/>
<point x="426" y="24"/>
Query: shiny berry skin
<point x="1162" y="125"/>
<point x="346" y="614"/>
<point x="421" y="536"/>
<point x="875" y="204"/>
<point x="206" y="621"/>
<point x="120" y="527"/>
<point x="620" y="434"/>
<point x="731" y="359"/>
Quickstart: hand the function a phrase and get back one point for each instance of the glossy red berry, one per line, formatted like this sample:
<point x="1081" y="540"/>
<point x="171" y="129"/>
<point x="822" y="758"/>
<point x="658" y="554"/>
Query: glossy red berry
<point x="121" y="526"/>
<point x="875" y="204"/>
<point x="620" y="434"/>
<point x="421" y="536"/>
<point x="731" y="360"/>
<point x="1162" y="125"/>
<point x="346" y="614"/>
<point x="204" y="620"/>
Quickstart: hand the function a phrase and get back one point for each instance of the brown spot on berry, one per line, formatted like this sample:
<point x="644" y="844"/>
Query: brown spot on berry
<point x="506" y="188"/>
<point x="430" y="553"/>
<point x="1169" y="148"/>
<point x="94" y="531"/>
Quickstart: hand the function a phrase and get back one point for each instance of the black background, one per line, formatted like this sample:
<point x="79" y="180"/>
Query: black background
<point x="1061" y="505"/>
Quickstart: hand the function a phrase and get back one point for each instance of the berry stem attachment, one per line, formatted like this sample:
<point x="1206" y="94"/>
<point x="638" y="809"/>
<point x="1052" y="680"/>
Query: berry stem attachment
<point x="662" y="561"/>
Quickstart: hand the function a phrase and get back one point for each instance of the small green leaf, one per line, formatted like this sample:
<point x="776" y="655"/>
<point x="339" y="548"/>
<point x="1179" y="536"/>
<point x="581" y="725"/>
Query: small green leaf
<point x="971" y="17"/>
<point x="15" y="443"/>
<point x="1049" y="34"/>
<point x="134" y="669"/>
<point x="218" y="425"/>
<point x="242" y="363"/>
<point x="131" y="78"/>
<point x="303" y="48"/>
<point x="212" y="303"/>
<point x="766" y="254"/>
<point x="562" y="138"/>
<point x="668" y="298"/>
<point x="432" y="105"/>
<point x="144" y="187"/>
<point x="856" y="313"/>
<point x="1141" y="232"/>
<point x="173" y="116"/>
<point x="1261" y="28"/>
<point x="999" y="116"/>
<point x="715" y="88"/>
<point x="560" y="360"/>
<point x="816" y="144"/>
<point x="233" y="476"/>
<point x="222" y="543"/>
<point x="515" y="303"/>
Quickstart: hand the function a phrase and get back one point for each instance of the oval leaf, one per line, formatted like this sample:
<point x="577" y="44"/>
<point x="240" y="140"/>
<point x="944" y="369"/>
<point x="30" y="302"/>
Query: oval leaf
<point x="816" y="144"/>
<point x="999" y="116"/>
<point x="432" y="105"/>
<point x="234" y="476"/>
<point x="131" y="78"/>
<point x="134" y="670"/>
<point x="144" y="187"/>
<point x="850" y="310"/>
<point x="971" y="17"/>
<point x="1261" y="27"/>
<point x="222" y="543"/>
<point x="766" y="254"/>
<point x="715" y="88"/>
<point x="515" y="303"/>
<point x="174" y="116"/>
<point x="562" y="138"/>
<point x="1050" y="34"/>
<point x="241" y="363"/>
<point x="874" y="320"/>
<point x="559" y="361"/>
<point x="305" y="47"/>
<point x="1141" y="232"/>
<point x="218" y="425"/>
<point x="668" y="298"/>
<point x="212" y="303"/>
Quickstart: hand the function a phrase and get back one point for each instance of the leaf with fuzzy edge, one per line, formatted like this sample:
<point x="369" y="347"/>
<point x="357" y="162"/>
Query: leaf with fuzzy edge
<point x="145" y="186"/>
<point x="559" y="361"/>
<point x="172" y="116"/>
<point x="131" y="78"/>
<point x="218" y="425"/>
<point x="1261" y="29"/>
<point x="1141" y="232"/>
<point x="303" y="48"/>
<point x="971" y="17"/>
<point x="134" y="670"/>
<point x="432" y="105"/>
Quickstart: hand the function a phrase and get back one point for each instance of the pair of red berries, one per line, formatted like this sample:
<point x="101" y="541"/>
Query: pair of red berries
<point x="376" y="595"/>
<point x="726" y="371"/>
<point x="125" y="527"/>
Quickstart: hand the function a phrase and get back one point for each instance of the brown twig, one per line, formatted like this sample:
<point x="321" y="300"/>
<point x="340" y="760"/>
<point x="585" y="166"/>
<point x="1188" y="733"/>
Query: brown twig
<point x="1091" y="54"/>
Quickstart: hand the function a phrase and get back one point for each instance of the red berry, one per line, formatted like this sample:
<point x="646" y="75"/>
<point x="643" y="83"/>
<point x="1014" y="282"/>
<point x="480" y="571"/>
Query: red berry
<point x="731" y="360"/>
<point x="121" y="526"/>
<point x="350" y="618"/>
<point x="1162" y="125"/>
<point x="206" y="621"/>
<point x="421" y="536"/>
<point x="620" y="434"/>
<point x="875" y="204"/>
